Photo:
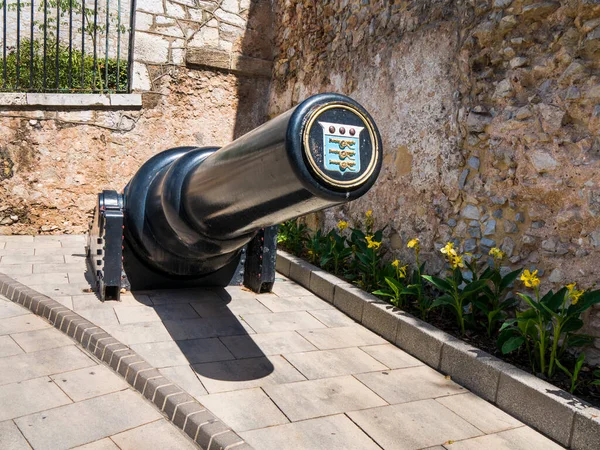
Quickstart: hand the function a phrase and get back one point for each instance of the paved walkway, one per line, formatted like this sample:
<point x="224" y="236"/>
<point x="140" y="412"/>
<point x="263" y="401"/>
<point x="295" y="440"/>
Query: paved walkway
<point x="285" y="370"/>
<point x="55" y="395"/>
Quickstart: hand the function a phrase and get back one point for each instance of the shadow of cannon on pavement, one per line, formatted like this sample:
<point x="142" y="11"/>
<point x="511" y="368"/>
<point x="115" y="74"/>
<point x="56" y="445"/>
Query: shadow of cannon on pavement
<point x="207" y="326"/>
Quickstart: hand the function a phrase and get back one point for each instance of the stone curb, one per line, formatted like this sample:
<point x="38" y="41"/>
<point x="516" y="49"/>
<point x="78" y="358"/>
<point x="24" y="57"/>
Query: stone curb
<point x="556" y="413"/>
<point x="178" y="406"/>
<point x="100" y="101"/>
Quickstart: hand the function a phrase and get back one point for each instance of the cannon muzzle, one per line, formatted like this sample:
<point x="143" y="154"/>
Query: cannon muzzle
<point x="189" y="213"/>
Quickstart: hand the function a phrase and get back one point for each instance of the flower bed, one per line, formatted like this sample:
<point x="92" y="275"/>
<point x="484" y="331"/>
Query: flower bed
<point x="475" y="300"/>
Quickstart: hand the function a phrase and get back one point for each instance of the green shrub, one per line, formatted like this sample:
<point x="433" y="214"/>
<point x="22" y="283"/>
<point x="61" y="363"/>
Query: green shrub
<point x="80" y="75"/>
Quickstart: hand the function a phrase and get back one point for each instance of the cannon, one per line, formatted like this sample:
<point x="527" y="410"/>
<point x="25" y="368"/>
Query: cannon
<point x="207" y="216"/>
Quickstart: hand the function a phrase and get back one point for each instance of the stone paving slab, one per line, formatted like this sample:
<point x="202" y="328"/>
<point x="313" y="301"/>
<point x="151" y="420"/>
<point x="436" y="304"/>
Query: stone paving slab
<point x="332" y="318"/>
<point x="30" y="396"/>
<point x="246" y="409"/>
<point x="266" y="344"/>
<point x="324" y="433"/>
<point x="342" y="337"/>
<point x="420" y="424"/>
<point x="89" y="382"/>
<point x="282" y="321"/>
<point x="9" y="309"/>
<point x="21" y="323"/>
<point x="479" y="413"/>
<point x="332" y="363"/>
<point x="286" y="369"/>
<point x="324" y="397"/>
<point x="47" y="362"/>
<point x="78" y="423"/>
<point x="299" y="303"/>
<point x="186" y="378"/>
<point x="38" y="340"/>
<point x="523" y="438"/>
<point x="391" y="356"/>
<point x="409" y="384"/>
<point x="159" y="435"/>
<point x="246" y="373"/>
<point x="11" y="438"/>
<point x="8" y="347"/>
<point x="102" y="444"/>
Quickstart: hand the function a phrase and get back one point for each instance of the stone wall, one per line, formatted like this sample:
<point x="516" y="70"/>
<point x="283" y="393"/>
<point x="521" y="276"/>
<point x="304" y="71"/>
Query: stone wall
<point x="489" y="112"/>
<point x="54" y="159"/>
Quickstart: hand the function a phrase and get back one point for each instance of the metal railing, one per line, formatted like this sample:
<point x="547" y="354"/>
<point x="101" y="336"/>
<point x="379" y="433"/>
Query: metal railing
<point x="83" y="46"/>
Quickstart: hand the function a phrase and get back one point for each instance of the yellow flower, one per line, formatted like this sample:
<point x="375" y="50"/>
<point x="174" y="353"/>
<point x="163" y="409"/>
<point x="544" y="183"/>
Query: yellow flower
<point x="342" y="225"/>
<point x="574" y="294"/>
<point x="396" y="263"/>
<point x="369" y="214"/>
<point x="371" y="243"/>
<point x="456" y="261"/>
<point x="530" y="279"/>
<point x="402" y="271"/>
<point x="449" y="250"/>
<point x="413" y="243"/>
<point x="496" y="253"/>
<point x="310" y="252"/>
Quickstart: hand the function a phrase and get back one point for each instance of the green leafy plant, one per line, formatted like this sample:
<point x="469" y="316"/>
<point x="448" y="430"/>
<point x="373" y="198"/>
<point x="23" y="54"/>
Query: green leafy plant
<point x="458" y="292"/>
<point x="493" y="304"/>
<point x="293" y="236"/>
<point x="415" y="286"/>
<point x="547" y="328"/>
<point x="575" y="374"/>
<point x="314" y="247"/>
<point x="395" y="289"/>
<point x="596" y="381"/>
<point x="335" y="252"/>
<point x="367" y="259"/>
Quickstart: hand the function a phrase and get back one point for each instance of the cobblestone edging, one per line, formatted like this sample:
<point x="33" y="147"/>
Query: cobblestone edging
<point x="178" y="406"/>
<point x="552" y="411"/>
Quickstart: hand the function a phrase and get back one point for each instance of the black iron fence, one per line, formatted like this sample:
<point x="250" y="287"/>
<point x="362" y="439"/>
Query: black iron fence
<point x="83" y="46"/>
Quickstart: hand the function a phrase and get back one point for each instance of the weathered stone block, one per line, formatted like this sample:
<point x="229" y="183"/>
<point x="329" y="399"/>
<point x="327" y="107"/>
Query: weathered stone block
<point x="586" y="430"/>
<point x="151" y="48"/>
<point x="230" y="18"/>
<point x="282" y="264"/>
<point x="78" y="100"/>
<point x="207" y="57"/>
<point x="13" y="99"/>
<point x="422" y="340"/>
<point x="131" y="100"/>
<point x="251" y="66"/>
<point x="381" y="318"/>
<point x="351" y="300"/>
<point x="323" y="284"/>
<point x="473" y="368"/>
<point x="140" y="77"/>
<point x="300" y="272"/>
<point x="538" y="403"/>
<point x="151" y="6"/>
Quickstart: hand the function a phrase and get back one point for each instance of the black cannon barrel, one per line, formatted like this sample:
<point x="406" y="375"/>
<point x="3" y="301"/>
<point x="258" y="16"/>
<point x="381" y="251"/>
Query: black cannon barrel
<point x="190" y="210"/>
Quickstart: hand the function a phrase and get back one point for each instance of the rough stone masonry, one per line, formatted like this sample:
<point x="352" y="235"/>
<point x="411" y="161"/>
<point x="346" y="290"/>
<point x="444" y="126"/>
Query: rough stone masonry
<point x="489" y="111"/>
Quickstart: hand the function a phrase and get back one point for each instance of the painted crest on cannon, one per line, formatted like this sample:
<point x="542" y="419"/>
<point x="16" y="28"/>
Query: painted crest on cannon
<point x="341" y="147"/>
